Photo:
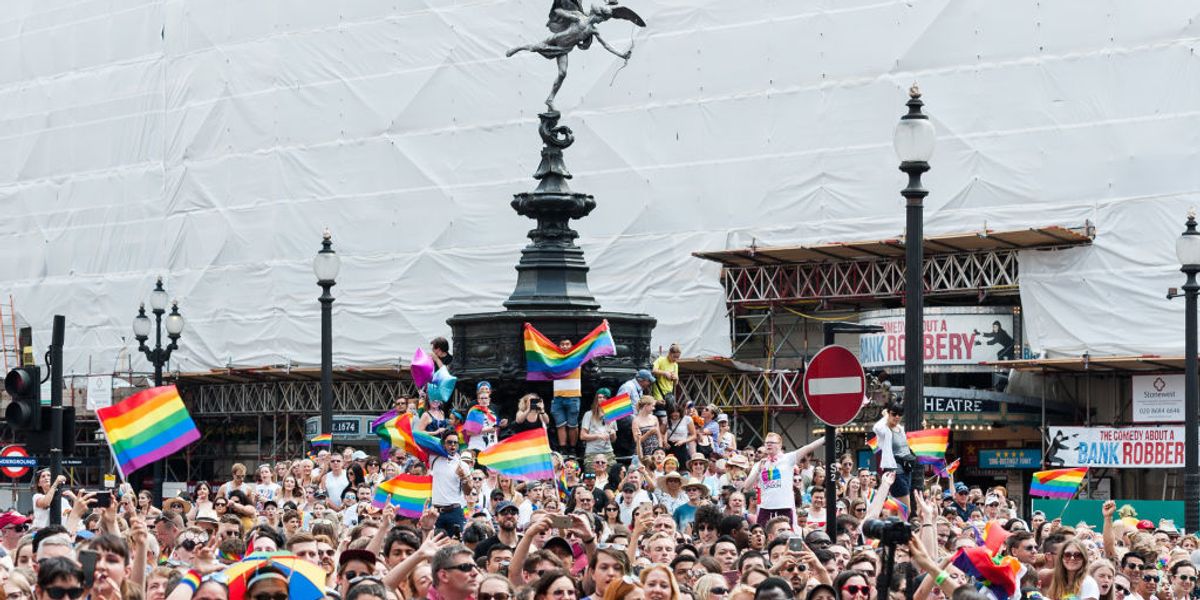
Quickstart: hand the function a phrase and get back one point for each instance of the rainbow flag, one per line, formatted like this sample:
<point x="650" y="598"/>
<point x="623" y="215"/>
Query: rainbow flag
<point x="929" y="445"/>
<point x="897" y="507"/>
<point x="993" y="536"/>
<point x="996" y="573"/>
<point x="545" y="362"/>
<point x="1059" y="483"/>
<point x="873" y="443"/>
<point x="947" y="470"/>
<point x="398" y="431"/>
<point x="525" y="455"/>
<point x="408" y="493"/>
<point x="146" y="427"/>
<point x="322" y="440"/>
<point x="616" y="408"/>
<point x="477" y="418"/>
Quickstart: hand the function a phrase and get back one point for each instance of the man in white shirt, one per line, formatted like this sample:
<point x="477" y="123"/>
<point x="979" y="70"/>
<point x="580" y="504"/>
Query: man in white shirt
<point x="771" y="478"/>
<point x="894" y="453"/>
<point x="448" y="474"/>
<point x="335" y="481"/>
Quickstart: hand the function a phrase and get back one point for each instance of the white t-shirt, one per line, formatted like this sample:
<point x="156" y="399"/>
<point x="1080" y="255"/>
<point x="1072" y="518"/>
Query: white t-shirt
<point x="447" y="486"/>
<point x="267" y="491"/>
<point x="595" y="426"/>
<point x="335" y="486"/>
<point x="775" y="482"/>
<point x="1089" y="589"/>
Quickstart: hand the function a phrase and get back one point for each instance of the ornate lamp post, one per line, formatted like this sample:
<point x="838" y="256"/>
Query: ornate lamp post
<point x="914" y="145"/>
<point x="1187" y="248"/>
<point x="158" y="355"/>
<point x="326" y="266"/>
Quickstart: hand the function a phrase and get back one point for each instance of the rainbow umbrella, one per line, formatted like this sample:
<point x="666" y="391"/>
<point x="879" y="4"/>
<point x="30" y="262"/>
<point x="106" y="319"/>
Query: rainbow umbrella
<point x="306" y="581"/>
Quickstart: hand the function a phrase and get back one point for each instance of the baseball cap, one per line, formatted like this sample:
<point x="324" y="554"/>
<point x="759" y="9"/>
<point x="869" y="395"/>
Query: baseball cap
<point x="358" y="455"/>
<point x="12" y="518"/>
<point x="722" y="418"/>
<point x="991" y="499"/>
<point x="483" y="384"/>
<point x="358" y="554"/>
<point x="506" y="505"/>
<point x="607" y="393"/>
<point x="960" y="488"/>
<point x="645" y="374"/>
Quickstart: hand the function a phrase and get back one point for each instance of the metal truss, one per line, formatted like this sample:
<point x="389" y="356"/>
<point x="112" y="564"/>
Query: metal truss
<point x="991" y="271"/>
<point x="367" y="397"/>
<point x="744" y="390"/>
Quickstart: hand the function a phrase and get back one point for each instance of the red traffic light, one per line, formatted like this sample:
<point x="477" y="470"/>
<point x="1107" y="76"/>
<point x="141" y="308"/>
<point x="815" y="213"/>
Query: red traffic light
<point x="21" y="381"/>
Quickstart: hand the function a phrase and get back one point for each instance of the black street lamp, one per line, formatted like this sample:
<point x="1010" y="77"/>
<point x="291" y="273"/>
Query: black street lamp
<point x="326" y="266"/>
<point x="914" y="145"/>
<point x="1187" y="248"/>
<point x="158" y="355"/>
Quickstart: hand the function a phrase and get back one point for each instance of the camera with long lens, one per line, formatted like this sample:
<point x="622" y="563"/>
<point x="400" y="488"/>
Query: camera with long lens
<point x="889" y="531"/>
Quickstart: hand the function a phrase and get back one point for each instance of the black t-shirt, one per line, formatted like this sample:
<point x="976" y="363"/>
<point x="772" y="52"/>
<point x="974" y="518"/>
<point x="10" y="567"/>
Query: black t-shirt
<point x="526" y="425"/>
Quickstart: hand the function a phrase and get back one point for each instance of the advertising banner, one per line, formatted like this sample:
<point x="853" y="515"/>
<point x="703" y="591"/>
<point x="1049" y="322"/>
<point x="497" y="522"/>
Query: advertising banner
<point x="1158" y="398"/>
<point x="1115" y="448"/>
<point x="953" y="336"/>
<point x="1011" y="458"/>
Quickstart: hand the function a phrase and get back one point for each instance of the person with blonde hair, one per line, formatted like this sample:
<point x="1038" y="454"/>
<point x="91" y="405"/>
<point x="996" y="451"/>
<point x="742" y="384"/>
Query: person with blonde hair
<point x="658" y="583"/>
<point x="1070" y="579"/>
<point x="627" y="588"/>
<point x="711" y="587"/>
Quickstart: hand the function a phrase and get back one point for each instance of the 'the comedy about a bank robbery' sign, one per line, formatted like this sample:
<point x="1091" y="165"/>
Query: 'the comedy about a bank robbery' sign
<point x="1115" y="448"/>
<point x="953" y="336"/>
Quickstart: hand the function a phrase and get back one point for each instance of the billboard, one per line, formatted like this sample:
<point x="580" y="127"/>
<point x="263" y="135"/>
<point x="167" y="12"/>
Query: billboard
<point x="1158" y="398"/>
<point x="1115" y="448"/>
<point x="954" y="337"/>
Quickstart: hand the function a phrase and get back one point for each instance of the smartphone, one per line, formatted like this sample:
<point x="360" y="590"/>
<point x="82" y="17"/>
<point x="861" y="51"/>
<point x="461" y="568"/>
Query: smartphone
<point x="87" y="559"/>
<point x="103" y="497"/>
<point x="561" y="522"/>
<point x="795" y="544"/>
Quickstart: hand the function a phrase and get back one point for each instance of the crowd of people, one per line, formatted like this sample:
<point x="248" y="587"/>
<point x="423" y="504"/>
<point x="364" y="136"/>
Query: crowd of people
<point x="664" y="505"/>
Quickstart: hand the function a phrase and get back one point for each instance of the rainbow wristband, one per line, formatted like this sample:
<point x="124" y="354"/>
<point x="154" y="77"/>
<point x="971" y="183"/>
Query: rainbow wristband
<point x="940" y="578"/>
<point x="191" y="579"/>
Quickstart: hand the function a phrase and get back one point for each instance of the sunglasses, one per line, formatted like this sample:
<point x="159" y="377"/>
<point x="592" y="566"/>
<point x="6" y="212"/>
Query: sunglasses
<point x="1120" y="589"/>
<point x="1150" y="578"/>
<point x="496" y="596"/>
<point x="17" y="528"/>
<point x="854" y="590"/>
<point x="467" y="567"/>
<point x="266" y="596"/>
<point x="1186" y="577"/>
<point x="1072" y="555"/>
<point x="58" y="593"/>
<point x="718" y="591"/>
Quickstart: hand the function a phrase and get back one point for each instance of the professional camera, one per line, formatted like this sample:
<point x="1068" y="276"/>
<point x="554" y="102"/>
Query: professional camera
<point x="888" y="531"/>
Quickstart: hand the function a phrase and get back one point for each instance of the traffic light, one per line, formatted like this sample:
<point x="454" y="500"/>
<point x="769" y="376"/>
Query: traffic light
<point x="24" y="386"/>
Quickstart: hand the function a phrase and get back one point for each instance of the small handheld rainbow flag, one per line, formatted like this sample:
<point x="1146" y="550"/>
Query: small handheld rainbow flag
<point x="525" y="455"/>
<point x="398" y="431"/>
<point x="996" y="573"/>
<point x="929" y="445"/>
<point x="322" y="440"/>
<point x="897" y="507"/>
<point x="616" y="408"/>
<point x="545" y="362"/>
<point x="1059" y="483"/>
<point x="146" y="427"/>
<point x="477" y="418"/>
<point x="408" y="493"/>
<point x="873" y="443"/>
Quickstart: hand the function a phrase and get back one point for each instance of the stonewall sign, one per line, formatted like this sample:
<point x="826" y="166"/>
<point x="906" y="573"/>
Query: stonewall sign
<point x="1115" y="448"/>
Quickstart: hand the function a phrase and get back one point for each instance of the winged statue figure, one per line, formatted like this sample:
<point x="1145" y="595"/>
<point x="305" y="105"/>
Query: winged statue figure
<point x="571" y="27"/>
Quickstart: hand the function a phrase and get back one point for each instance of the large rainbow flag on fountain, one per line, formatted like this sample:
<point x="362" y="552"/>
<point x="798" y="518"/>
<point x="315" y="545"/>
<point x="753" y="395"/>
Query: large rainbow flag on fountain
<point x="1059" y="483"/>
<point x="545" y="362"/>
<point x="408" y="493"/>
<point x="525" y="455"/>
<point x="146" y="427"/>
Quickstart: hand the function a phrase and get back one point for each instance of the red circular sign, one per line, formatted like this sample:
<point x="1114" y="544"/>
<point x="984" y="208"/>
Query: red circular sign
<point x="14" y="472"/>
<point x="834" y="385"/>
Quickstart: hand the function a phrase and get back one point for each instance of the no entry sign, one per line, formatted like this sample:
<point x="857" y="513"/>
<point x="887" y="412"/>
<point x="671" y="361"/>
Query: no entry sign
<point x="834" y="384"/>
<point x="15" y="461"/>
